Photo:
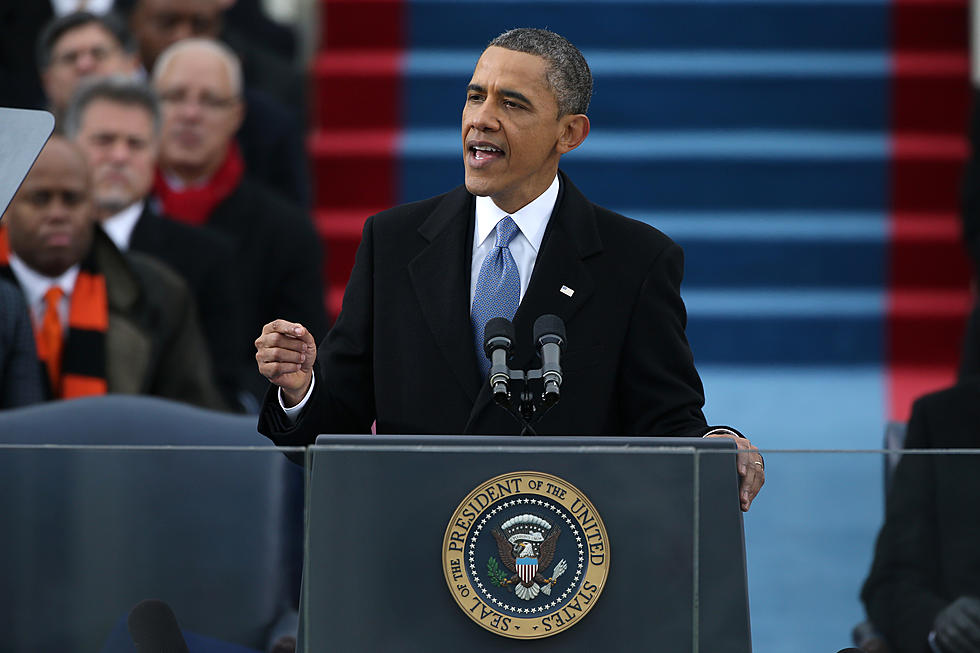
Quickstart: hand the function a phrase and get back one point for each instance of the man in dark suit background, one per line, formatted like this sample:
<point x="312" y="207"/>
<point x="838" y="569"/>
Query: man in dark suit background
<point x="271" y="133"/>
<point x="923" y="592"/>
<point x="77" y="46"/>
<point x="404" y="351"/>
<point x="20" y="374"/>
<point x="203" y="181"/>
<point x="108" y="322"/>
<point x="115" y="121"/>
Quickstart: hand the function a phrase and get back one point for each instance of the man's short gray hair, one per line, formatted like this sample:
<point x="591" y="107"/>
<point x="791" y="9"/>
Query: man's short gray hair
<point x="118" y="89"/>
<point x="568" y="73"/>
<point x="222" y="51"/>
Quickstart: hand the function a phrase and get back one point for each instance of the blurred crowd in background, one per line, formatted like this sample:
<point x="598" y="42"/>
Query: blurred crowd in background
<point x="180" y="129"/>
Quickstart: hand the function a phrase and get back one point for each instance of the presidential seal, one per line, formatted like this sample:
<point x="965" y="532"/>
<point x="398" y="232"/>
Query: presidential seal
<point x="526" y="555"/>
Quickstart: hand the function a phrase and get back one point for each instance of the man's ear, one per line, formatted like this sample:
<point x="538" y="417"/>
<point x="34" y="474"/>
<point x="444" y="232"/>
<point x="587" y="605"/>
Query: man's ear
<point x="575" y="127"/>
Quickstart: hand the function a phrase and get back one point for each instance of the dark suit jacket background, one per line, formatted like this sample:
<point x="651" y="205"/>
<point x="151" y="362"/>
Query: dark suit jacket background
<point x="970" y="219"/>
<point x="402" y="350"/>
<point x="20" y="369"/>
<point x="204" y="259"/>
<point x="277" y="264"/>
<point x="928" y="551"/>
<point x="153" y="343"/>
<point x="272" y="146"/>
<point x="20" y="24"/>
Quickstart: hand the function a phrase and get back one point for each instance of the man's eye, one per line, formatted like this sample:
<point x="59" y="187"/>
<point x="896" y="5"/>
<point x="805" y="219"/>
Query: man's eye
<point x="72" y="198"/>
<point x="201" y="25"/>
<point x="473" y="97"/>
<point x="40" y="198"/>
<point x="166" y="21"/>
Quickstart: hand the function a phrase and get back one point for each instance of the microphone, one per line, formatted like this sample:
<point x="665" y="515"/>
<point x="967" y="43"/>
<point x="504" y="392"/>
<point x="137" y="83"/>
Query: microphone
<point x="549" y="338"/>
<point x="154" y="628"/>
<point x="498" y="339"/>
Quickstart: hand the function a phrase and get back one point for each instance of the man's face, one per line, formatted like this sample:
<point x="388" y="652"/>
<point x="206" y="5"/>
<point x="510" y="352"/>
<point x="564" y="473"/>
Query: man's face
<point x="200" y="113"/>
<point x="158" y="24"/>
<point x="49" y="222"/>
<point x="510" y="129"/>
<point x="121" y="149"/>
<point x="82" y="52"/>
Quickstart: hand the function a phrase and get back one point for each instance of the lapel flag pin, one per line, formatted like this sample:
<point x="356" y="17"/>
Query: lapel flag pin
<point x="565" y="290"/>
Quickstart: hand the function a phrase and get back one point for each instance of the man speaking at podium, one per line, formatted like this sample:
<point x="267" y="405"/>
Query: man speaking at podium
<point x="518" y="241"/>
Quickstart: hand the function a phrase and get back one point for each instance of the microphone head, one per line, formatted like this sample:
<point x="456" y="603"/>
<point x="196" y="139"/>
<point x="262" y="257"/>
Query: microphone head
<point x="549" y="329"/>
<point x="154" y="628"/>
<point x="498" y="328"/>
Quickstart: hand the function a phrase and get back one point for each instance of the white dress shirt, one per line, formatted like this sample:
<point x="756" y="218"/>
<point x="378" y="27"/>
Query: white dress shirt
<point x="531" y="220"/>
<point x="119" y="227"/>
<point x="35" y="285"/>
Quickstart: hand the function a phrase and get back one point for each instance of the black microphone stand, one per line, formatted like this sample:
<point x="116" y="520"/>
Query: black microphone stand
<point x="533" y="402"/>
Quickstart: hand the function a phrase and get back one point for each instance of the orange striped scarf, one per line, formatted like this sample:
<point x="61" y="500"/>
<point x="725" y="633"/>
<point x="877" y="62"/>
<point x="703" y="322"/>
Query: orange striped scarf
<point x="83" y="361"/>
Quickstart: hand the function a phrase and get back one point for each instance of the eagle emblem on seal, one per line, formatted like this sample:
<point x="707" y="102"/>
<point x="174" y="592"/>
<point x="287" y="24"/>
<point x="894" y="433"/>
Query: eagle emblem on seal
<point x="526" y="546"/>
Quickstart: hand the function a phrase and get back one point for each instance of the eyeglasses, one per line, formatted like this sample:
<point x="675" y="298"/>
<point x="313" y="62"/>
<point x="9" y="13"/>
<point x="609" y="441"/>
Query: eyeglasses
<point x="205" y="100"/>
<point x="99" y="53"/>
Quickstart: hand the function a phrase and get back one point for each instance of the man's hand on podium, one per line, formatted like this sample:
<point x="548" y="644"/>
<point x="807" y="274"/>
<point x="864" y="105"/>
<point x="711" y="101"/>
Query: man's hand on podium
<point x="751" y="468"/>
<point x="285" y="353"/>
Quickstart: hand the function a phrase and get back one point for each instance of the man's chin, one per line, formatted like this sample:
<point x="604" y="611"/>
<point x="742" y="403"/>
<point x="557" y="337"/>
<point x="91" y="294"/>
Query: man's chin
<point x="54" y="264"/>
<point x="111" y="205"/>
<point x="476" y="186"/>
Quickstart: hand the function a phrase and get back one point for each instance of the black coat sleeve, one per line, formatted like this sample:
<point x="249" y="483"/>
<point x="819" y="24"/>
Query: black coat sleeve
<point x="662" y="392"/>
<point x="343" y="394"/>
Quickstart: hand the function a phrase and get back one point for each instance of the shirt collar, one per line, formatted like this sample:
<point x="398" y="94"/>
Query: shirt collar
<point x="532" y="219"/>
<point x="36" y="284"/>
<point x="120" y="226"/>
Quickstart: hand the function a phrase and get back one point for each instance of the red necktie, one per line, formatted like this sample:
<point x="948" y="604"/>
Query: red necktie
<point x="49" y="337"/>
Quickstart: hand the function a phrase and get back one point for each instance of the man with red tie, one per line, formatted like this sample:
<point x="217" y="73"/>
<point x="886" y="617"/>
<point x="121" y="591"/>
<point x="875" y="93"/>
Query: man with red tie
<point x="103" y="321"/>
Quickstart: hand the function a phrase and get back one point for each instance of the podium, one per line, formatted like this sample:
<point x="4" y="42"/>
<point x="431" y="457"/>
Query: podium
<point x="399" y="558"/>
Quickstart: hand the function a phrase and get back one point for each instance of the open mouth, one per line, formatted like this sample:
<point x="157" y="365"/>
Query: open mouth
<point x="484" y="152"/>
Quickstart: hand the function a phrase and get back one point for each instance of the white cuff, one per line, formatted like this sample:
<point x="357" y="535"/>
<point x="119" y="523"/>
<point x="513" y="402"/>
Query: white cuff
<point x="933" y="644"/>
<point x="292" y="413"/>
<point x="720" y="432"/>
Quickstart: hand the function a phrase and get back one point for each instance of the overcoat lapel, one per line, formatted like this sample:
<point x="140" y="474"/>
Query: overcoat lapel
<point x="571" y="237"/>
<point x="441" y="280"/>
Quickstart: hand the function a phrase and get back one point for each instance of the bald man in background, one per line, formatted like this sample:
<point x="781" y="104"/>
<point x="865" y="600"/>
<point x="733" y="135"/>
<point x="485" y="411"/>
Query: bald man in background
<point x="203" y="180"/>
<point x="105" y="322"/>
<point x="272" y="128"/>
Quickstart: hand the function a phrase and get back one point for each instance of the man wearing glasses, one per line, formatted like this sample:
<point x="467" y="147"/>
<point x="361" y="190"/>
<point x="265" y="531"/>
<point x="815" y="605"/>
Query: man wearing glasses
<point x="202" y="180"/>
<point x="80" y="45"/>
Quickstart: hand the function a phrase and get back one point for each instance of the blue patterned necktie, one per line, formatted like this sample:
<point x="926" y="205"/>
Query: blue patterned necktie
<point x="498" y="288"/>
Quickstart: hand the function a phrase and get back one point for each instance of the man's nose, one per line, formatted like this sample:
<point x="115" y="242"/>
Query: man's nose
<point x="119" y="151"/>
<point x="58" y="210"/>
<point x="86" y="63"/>
<point x="182" y="29"/>
<point x="189" y="109"/>
<point x="484" y="117"/>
